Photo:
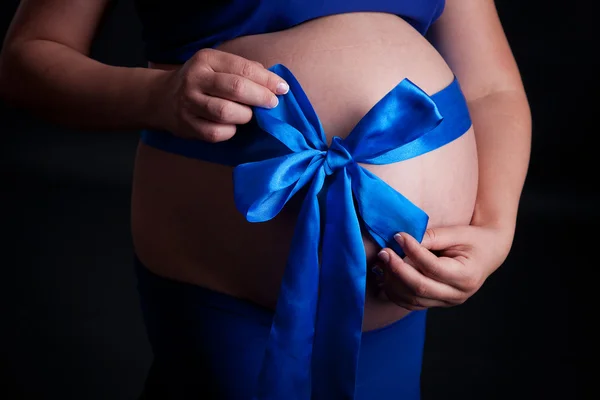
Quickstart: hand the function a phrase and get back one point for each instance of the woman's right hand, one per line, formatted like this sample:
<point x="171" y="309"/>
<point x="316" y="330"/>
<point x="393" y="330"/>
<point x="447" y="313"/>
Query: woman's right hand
<point x="212" y="93"/>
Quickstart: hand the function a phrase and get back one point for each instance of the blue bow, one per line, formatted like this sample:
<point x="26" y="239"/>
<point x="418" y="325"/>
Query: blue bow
<point x="315" y="336"/>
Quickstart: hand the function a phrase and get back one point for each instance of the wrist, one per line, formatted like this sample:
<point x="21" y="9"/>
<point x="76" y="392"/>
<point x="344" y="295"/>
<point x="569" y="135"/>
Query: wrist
<point x="155" y="100"/>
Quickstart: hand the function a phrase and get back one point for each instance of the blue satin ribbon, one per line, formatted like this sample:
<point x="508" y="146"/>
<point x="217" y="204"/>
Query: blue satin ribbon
<point x="312" y="351"/>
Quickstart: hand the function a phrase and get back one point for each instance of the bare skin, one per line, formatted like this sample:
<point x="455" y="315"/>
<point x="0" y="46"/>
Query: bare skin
<point x="184" y="223"/>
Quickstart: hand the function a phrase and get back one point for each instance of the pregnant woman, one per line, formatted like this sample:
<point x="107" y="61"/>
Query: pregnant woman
<point x="312" y="176"/>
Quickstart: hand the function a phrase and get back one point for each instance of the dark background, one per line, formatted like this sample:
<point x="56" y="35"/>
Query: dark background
<point x="70" y="325"/>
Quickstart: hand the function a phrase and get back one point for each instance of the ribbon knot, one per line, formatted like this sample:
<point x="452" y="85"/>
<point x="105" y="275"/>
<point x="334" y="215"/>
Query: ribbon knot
<point x="336" y="157"/>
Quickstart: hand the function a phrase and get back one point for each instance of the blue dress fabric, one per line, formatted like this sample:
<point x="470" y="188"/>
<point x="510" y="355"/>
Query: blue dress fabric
<point x="174" y="30"/>
<point x="315" y="336"/>
<point x="209" y="345"/>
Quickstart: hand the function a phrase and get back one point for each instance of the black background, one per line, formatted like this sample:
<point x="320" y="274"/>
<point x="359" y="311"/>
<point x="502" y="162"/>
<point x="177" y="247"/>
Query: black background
<point x="70" y="325"/>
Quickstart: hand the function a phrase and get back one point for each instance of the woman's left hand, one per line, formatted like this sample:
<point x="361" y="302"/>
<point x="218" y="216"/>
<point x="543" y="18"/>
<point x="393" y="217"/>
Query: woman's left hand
<point x="468" y="255"/>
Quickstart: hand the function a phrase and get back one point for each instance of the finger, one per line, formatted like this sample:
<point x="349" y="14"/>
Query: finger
<point x="208" y="131"/>
<point x="444" y="237"/>
<point x="233" y="64"/>
<point x="239" y="89"/>
<point x="220" y="110"/>
<point x="427" y="262"/>
<point x="401" y="296"/>
<point x="404" y="276"/>
<point x="412" y="303"/>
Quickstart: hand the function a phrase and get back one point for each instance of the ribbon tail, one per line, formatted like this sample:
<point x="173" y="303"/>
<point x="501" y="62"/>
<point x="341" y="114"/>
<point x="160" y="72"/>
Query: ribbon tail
<point x="342" y="295"/>
<point x="384" y="211"/>
<point x="286" y="372"/>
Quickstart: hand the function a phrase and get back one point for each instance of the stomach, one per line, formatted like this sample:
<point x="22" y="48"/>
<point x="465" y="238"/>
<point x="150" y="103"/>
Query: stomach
<point x="185" y="224"/>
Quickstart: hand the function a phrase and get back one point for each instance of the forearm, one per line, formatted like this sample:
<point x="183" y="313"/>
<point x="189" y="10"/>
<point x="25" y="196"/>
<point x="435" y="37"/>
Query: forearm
<point x="67" y="87"/>
<point x="502" y="124"/>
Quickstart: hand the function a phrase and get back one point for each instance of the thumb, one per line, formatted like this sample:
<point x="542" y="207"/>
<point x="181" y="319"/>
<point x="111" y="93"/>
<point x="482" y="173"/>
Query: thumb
<point x="442" y="238"/>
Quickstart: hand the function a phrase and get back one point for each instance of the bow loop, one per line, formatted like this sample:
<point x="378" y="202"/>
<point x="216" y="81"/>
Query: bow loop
<point x="262" y="188"/>
<point x="403" y="115"/>
<point x="294" y="121"/>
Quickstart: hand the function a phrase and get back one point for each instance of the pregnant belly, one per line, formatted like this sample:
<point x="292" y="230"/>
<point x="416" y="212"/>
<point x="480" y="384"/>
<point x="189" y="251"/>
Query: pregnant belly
<point x="184" y="221"/>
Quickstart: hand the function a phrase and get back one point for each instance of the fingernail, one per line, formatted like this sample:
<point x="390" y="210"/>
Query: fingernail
<point x="384" y="256"/>
<point x="282" y="88"/>
<point x="274" y="102"/>
<point x="399" y="238"/>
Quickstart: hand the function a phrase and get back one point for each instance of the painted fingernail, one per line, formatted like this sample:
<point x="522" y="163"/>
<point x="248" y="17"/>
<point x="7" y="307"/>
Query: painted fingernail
<point x="399" y="238"/>
<point x="274" y="102"/>
<point x="282" y="88"/>
<point x="384" y="256"/>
